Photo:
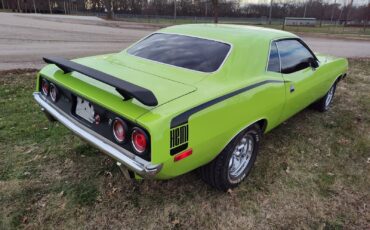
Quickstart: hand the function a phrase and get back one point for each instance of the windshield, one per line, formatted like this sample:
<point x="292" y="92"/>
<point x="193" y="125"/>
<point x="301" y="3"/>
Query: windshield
<point x="182" y="51"/>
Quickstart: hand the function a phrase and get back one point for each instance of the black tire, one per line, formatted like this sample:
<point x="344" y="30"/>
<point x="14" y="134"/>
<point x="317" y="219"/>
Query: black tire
<point x="322" y="105"/>
<point x="216" y="173"/>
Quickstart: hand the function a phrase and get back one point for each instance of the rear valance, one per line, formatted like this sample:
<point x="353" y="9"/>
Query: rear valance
<point x="126" y="89"/>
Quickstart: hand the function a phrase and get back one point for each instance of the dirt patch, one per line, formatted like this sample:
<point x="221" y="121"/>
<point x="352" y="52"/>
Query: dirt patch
<point x="17" y="71"/>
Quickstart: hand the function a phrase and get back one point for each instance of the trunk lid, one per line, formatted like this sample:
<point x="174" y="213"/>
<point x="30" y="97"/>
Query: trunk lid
<point x="164" y="89"/>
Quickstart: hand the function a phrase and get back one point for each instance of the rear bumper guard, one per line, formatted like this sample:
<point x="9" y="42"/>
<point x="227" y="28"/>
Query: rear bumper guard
<point x="123" y="156"/>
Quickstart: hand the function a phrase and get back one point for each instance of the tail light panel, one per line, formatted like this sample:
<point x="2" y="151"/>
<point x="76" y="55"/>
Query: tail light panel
<point x="104" y="121"/>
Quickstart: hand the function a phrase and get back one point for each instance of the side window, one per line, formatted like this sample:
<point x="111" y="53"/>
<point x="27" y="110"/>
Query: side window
<point x="293" y="56"/>
<point x="274" y="59"/>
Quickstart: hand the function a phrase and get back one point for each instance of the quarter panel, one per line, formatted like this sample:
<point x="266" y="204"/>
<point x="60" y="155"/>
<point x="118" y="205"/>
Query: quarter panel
<point x="331" y="68"/>
<point x="212" y="128"/>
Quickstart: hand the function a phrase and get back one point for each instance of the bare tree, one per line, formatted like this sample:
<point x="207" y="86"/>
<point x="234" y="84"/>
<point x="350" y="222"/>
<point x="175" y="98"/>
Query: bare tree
<point x="305" y="9"/>
<point x="367" y="15"/>
<point x="19" y="6"/>
<point x="332" y="11"/>
<point x="215" y="10"/>
<point x="348" y="11"/>
<point x="34" y="6"/>
<point x="109" y="7"/>
<point x="174" y="10"/>
<point x="322" y="14"/>
<point x="270" y="11"/>
<point x="65" y="9"/>
<point x="51" y="11"/>
<point x="340" y="14"/>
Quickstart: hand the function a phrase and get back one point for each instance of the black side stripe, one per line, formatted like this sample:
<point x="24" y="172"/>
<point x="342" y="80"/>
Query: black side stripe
<point x="184" y="117"/>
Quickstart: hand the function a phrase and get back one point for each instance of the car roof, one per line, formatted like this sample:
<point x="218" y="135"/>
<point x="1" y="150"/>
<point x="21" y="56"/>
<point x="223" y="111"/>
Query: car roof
<point x="228" y="33"/>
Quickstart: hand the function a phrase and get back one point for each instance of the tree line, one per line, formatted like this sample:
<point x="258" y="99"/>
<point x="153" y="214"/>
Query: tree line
<point x="337" y="10"/>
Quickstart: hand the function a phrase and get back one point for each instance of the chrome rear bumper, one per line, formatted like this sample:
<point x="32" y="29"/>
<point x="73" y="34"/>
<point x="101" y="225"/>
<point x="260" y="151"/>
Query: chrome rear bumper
<point x="128" y="159"/>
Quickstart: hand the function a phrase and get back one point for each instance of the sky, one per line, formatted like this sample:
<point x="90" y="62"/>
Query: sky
<point x="355" y="2"/>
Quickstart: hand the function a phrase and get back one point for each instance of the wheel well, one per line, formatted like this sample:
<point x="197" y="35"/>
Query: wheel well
<point x="262" y="124"/>
<point x="340" y="77"/>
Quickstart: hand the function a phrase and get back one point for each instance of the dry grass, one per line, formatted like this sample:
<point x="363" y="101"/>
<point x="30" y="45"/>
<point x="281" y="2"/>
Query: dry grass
<point x="313" y="171"/>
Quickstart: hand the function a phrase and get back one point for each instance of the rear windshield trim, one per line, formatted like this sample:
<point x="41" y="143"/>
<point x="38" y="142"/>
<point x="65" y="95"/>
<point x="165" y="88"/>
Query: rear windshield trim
<point x="193" y="36"/>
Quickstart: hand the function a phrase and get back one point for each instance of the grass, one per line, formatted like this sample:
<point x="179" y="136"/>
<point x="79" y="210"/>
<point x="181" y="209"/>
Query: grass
<point x="313" y="171"/>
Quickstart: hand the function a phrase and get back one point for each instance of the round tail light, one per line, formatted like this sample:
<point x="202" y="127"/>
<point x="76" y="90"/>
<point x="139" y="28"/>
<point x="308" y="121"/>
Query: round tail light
<point x="54" y="92"/>
<point x="45" y="87"/>
<point x="139" y="140"/>
<point x="119" y="130"/>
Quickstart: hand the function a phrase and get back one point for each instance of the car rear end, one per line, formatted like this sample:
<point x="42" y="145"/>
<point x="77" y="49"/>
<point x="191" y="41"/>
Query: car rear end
<point x="103" y="99"/>
<point x="116" y="135"/>
<point x="98" y="113"/>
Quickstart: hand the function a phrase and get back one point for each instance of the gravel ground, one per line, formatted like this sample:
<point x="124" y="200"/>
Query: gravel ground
<point x="25" y="39"/>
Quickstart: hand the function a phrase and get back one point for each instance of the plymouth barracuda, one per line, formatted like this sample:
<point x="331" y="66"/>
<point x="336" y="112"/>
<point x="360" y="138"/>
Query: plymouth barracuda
<point x="189" y="97"/>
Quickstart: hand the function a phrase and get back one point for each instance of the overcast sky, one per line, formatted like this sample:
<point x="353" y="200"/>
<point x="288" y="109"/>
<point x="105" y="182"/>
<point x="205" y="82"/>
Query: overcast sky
<point x="355" y="2"/>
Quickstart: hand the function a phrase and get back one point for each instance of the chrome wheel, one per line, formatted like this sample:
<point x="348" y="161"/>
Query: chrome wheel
<point x="241" y="157"/>
<point x="329" y="97"/>
<point x="235" y="161"/>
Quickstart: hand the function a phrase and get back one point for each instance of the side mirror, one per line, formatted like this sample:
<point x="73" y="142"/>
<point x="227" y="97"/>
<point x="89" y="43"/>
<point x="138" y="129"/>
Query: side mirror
<point x="313" y="63"/>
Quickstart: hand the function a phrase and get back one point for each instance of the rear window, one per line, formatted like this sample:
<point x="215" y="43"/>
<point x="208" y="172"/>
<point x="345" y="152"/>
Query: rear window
<point x="182" y="51"/>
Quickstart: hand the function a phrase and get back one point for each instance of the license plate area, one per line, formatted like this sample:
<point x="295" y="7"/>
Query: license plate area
<point x="85" y="110"/>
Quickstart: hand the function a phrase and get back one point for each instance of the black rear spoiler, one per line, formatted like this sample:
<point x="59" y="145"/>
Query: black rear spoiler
<point x="126" y="89"/>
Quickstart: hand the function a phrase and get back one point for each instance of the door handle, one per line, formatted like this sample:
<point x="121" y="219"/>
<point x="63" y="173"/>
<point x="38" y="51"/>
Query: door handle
<point x="291" y="89"/>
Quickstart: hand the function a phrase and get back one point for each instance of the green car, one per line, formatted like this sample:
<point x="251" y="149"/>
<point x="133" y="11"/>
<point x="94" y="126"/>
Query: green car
<point x="189" y="97"/>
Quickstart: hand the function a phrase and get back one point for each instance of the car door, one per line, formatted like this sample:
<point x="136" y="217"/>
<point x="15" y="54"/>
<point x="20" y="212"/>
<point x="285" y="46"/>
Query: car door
<point x="298" y="65"/>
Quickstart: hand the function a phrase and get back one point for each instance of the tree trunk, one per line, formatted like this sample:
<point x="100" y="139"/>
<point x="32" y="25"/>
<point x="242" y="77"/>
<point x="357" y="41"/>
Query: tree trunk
<point x="68" y="8"/>
<point x="19" y="6"/>
<point x="270" y="12"/>
<point x="34" y="6"/>
<point x="174" y="10"/>
<point x="367" y="17"/>
<point x="51" y="11"/>
<point x="215" y="10"/>
<point x="108" y="5"/>
<point x="340" y="16"/>
<point x="2" y="4"/>
<point x="322" y="13"/>
<point x="332" y="12"/>
<point x="348" y="12"/>
<point x="206" y="13"/>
